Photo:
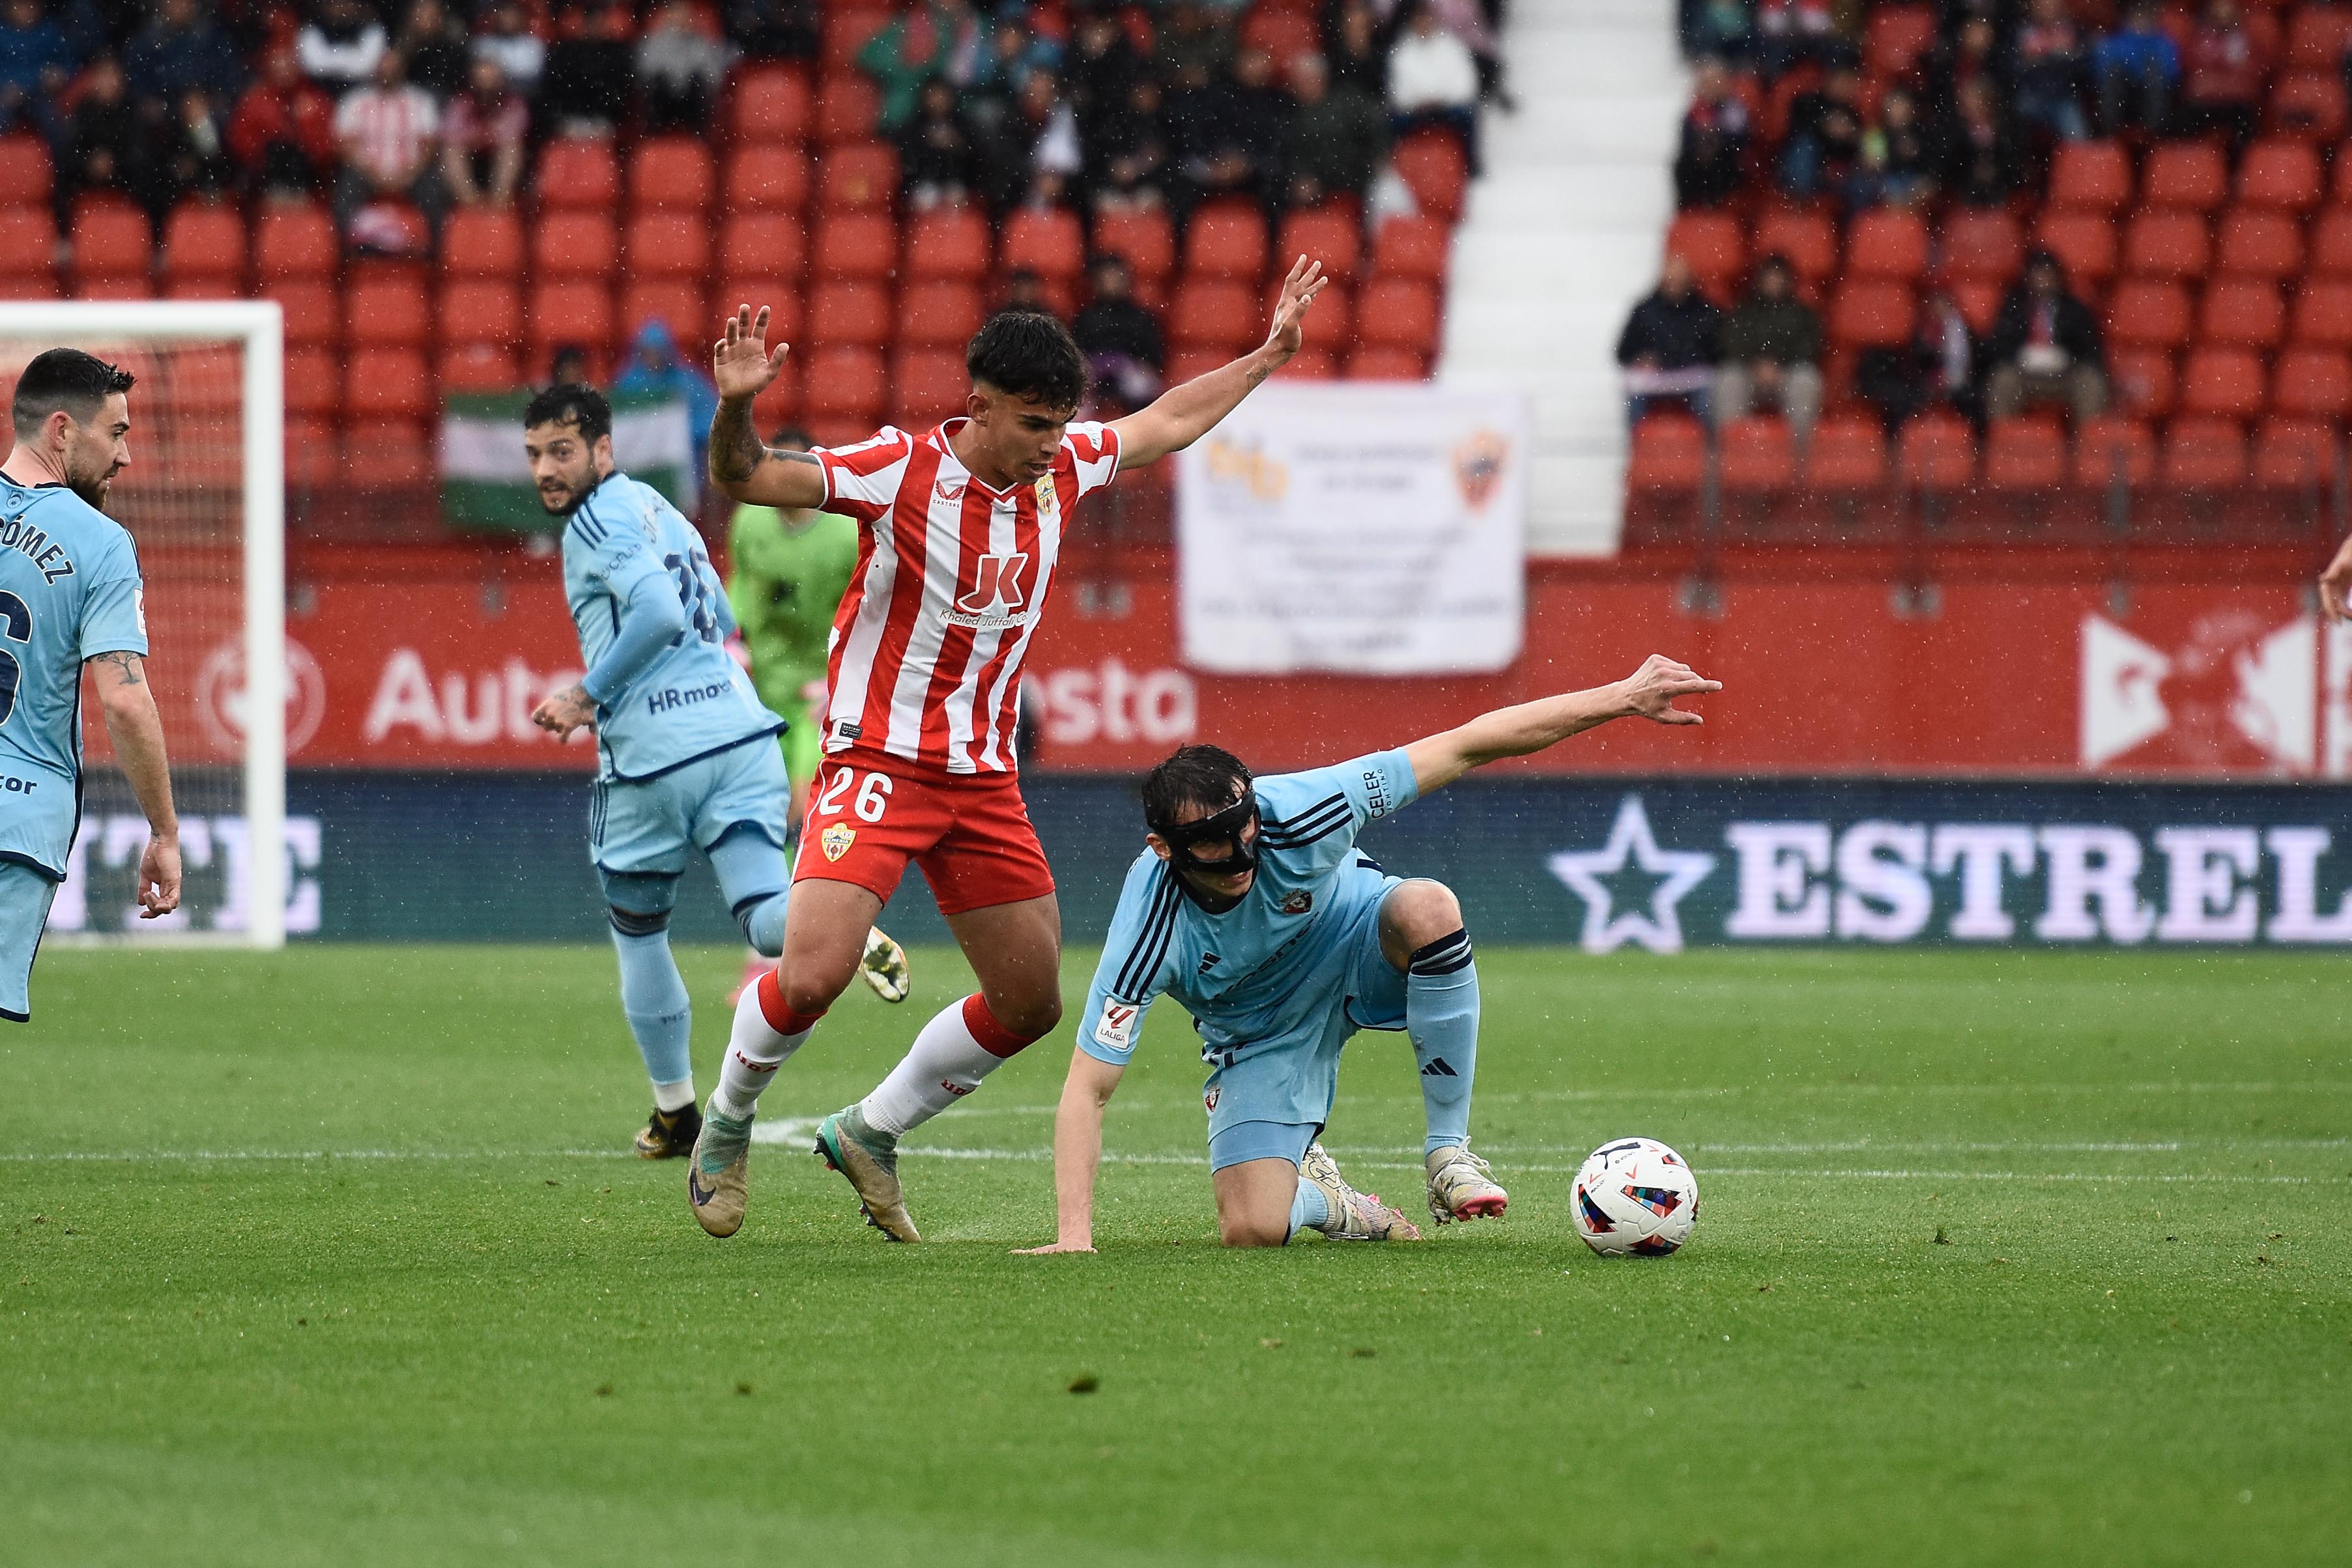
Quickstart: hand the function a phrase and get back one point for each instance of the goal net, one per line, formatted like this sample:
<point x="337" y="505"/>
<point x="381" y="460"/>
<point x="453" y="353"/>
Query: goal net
<point x="204" y="497"/>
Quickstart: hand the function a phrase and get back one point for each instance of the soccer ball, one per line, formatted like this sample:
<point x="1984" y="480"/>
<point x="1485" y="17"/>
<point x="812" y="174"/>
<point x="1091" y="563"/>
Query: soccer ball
<point x="1635" y="1195"/>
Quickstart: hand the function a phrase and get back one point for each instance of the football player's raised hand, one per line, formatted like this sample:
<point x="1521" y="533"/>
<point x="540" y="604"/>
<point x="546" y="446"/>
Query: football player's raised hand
<point x="1298" y="291"/>
<point x="1651" y="691"/>
<point x="740" y="361"/>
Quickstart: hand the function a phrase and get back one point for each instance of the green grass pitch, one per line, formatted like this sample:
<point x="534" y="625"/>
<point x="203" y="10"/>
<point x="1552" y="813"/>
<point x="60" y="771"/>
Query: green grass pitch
<point x="333" y="1258"/>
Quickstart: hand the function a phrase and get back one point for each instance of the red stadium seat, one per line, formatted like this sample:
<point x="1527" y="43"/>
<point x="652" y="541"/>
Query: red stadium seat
<point x="848" y="109"/>
<point x="668" y="244"/>
<point x="1186" y="364"/>
<point x="769" y="179"/>
<point x="1980" y="299"/>
<point x="2190" y="175"/>
<point x="125" y="286"/>
<point x="311" y="311"/>
<point x="1283" y="34"/>
<point x="858" y="177"/>
<point x="1871" y="314"/>
<point x="204" y="241"/>
<point x="1939" y="452"/>
<point x="2084" y="245"/>
<point x="1433" y="166"/>
<point x="2308" y="104"/>
<point x="2143" y="381"/>
<point x="2203" y="454"/>
<point x="1377" y="362"/>
<point x="856" y="245"/>
<point x="782" y="302"/>
<point x="574" y="245"/>
<point x="2316" y="38"/>
<point x="313" y="459"/>
<point x="479" y="310"/>
<point x="763" y="244"/>
<point x="845" y="383"/>
<point x="576" y="173"/>
<point x="1311" y="365"/>
<point x="2323" y="314"/>
<point x="314" y="383"/>
<point x="2110" y="446"/>
<point x="1325" y="235"/>
<point x="576" y="311"/>
<point x="1756" y="455"/>
<point x="2294" y="455"/>
<point x="389" y="384"/>
<point x="2091" y="176"/>
<point x="928" y="385"/>
<point x="1715" y="244"/>
<point x="679" y="304"/>
<point x="1669" y="455"/>
<point x="1214" y="313"/>
<point x="1847" y="454"/>
<point x="2260" y="244"/>
<point x="1145" y="239"/>
<point x="2283" y="173"/>
<point x="393" y="454"/>
<point x="2164" y="243"/>
<point x="671" y="173"/>
<point x="295" y="242"/>
<point x="2025" y="454"/>
<point x="1888" y="242"/>
<point x="112" y="240"/>
<point x="1897" y="37"/>
<point x="28" y="243"/>
<point x="2224" y="384"/>
<point x="850" y="315"/>
<point x="2331" y="241"/>
<point x="2148" y="313"/>
<point x="1423" y="247"/>
<point x="941" y="314"/>
<point x="1047" y="241"/>
<point x="2243" y="314"/>
<point x="1807" y="239"/>
<point x="1398" y="313"/>
<point x="482" y="241"/>
<point x="387" y="313"/>
<point x="2313" y="384"/>
<point x="26" y="175"/>
<point x="848" y="26"/>
<point x="1983" y="244"/>
<point x="1226" y="239"/>
<point x="771" y="104"/>
<point x="950" y="243"/>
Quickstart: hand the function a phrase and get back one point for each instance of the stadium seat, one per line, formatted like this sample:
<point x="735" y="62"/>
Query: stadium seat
<point x="390" y="455"/>
<point x="577" y="174"/>
<point x="845" y="383"/>
<point x="2316" y="38"/>
<point x="482" y="241"/>
<point x="1897" y="38"/>
<point x="2148" y="313"/>
<point x="2323" y="314"/>
<point x="677" y="303"/>
<point x="2257" y="242"/>
<point x="1185" y="365"/>
<point x="927" y="386"/>
<point x="941" y="314"/>
<point x="313" y="457"/>
<point x="848" y="109"/>
<point x="314" y="383"/>
<point x="1214" y="313"/>
<point x="2331" y="242"/>
<point x="769" y="179"/>
<point x="770" y="104"/>
<point x="1311" y="365"/>
<point x="388" y="383"/>
<point x="1146" y="239"/>
<point x="2243" y="314"/>
<point x="1434" y="168"/>
<point x="124" y="286"/>
<point x="310" y="309"/>
<point x="1888" y="242"/>
<point x="2090" y="176"/>
<point x="1422" y="247"/>
<point x="2143" y="381"/>
<point x="856" y="245"/>
<point x="763" y="245"/>
<point x="295" y="242"/>
<point x="1715" y="244"/>
<point x="858" y="177"/>
<point x="1284" y="34"/>
<point x="848" y="26"/>
<point x="1871" y="314"/>
<point x="1669" y="455"/>
<point x="1980" y="299"/>
<point x="2084" y="245"/>
<point x="203" y="241"/>
<point x="387" y="313"/>
<point x="782" y="301"/>
<point x="1335" y="314"/>
<point x="480" y="310"/>
<point x="1226" y="239"/>
<point x="2224" y="384"/>
<point x="1847" y="454"/>
<point x="1939" y="452"/>
<point x="950" y="243"/>
<point x="574" y="245"/>
<point x="2025" y="454"/>
<point x="2294" y="455"/>
<point x="112" y="240"/>
<point x="573" y="312"/>
<point x="671" y="173"/>
<point x="1048" y="241"/>
<point x="1327" y="235"/>
<point x="2313" y="384"/>
<point x="2192" y="176"/>
<point x="1377" y="363"/>
<point x="850" y="315"/>
<point x="672" y="245"/>
<point x="1399" y="313"/>
<point x="28" y="243"/>
<point x="1756" y="455"/>
<point x="2283" y="173"/>
<point x="2166" y="243"/>
<point x="1807" y="239"/>
<point x="27" y="177"/>
<point x="2307" y="104"/>
<point x="2111" y="445"/>
<point x="1983" y="244"/>
<point x="2203" y="454"/>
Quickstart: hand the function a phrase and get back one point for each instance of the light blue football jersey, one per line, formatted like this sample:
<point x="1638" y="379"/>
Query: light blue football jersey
<point x="693" y="700"/>
<point x="70" y="590"/>
<point x="1238" y="973"/>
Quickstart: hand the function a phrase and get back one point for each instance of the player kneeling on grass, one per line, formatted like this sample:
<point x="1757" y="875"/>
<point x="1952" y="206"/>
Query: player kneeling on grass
<point x="1253" y="908"/>
<point x="684" y="752"/>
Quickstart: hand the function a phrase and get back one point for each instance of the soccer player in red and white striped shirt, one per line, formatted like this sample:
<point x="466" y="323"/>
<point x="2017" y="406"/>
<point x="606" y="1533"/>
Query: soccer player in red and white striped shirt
<point x="959" y="528"/>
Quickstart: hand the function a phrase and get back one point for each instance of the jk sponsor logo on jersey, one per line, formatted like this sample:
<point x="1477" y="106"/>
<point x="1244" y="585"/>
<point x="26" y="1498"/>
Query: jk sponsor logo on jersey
<point x="2017" y="863"/>
<point x="998" y="597"/>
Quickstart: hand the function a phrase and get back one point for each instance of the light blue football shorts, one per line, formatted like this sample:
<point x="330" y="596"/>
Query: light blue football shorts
<point x="647" y="827"/>
<point x="24" y="898"/>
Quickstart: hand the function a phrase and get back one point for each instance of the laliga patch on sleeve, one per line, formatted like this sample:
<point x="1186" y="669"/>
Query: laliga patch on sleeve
<point x="138" y="608"/>
<point x="1116" y="1027"/>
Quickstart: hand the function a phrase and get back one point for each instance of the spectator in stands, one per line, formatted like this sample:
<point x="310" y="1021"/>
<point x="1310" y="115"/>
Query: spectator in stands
<point x="1338" y="135"/>
<point x="772" y="30"/>
<point x="1972" y="53"/>
<point x="182" y="50"/>
<point x="946" y="39"/>
<point x="1824" y="140"/>
<point x="587" y="85"/>
<point x="2136" y="67"/>
<point x="656" y="368"/>
<point x="190" y="154"/>
<point x="1937" y="368"/>
<point x="37" y="61"/>
<point x="1102" y="66"/>
<point x="1352" y="42"/>
<point x="1669" y="345"/>
<point x="2047" y="72"/>
<point x="1128" y="154"/>
<point x="387" y="132"/>
<point x="1433" y="80"/>
<point x="282" y="135"/>
<point x="1024" y="290"/>
<point x="2222" y="76"/>
<point x="939" y="161"/>
<point x="679" y="69"/>
<point x="1984" y="165"/>
<point x="507" y="39"/>
<point x="567" y="366"/>
<point x="104" y="151"/>
<point x="2044" y="346"/>
<point x="1467" y="20"/>
<point x="1711" y="164"/>
<point x="1721" y="29"/>
<point x="1048" y="131"/>
<point x="1226" y="135"/>
<point x="1792" y="33"/>
<point x="339" y="44"/>
<point x="1193" y="35"/>
<point x="483" y="137"/>
<point x="1769" y="350"/>
<point x="434" y="42"/>
<point x="1900" y="167"/>
<point x="1119" y="338"/>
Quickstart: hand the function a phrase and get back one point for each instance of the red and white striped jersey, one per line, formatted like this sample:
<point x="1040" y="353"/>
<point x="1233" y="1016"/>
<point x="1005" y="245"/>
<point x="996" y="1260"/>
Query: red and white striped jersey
<point x="952" y="578"/>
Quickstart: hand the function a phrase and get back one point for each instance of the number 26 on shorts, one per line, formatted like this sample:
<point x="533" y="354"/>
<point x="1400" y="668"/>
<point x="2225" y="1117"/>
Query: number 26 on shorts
<point x="871" y="799"/>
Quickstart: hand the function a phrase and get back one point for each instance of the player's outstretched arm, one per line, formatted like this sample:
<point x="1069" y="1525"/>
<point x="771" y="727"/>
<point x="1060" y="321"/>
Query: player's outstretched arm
<point x="1648" y="693"/>
<point x="1077" y="1152"/>
<point x="743" y="465"/>
<point x="2336" y="585"/>
<point x="1182" y="415"/>
<point x="137" y="731"/>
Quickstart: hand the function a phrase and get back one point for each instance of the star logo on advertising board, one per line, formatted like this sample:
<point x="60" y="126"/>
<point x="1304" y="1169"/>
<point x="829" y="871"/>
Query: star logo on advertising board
<point x="1596" y="876"/>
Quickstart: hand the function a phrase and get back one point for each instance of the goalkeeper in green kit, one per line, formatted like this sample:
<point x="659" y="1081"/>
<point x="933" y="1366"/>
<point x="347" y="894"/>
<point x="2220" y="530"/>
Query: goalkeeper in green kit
<point x="787" y="572"/>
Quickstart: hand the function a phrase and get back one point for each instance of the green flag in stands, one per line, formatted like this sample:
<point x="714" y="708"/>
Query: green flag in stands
<point x="485" y="481"/>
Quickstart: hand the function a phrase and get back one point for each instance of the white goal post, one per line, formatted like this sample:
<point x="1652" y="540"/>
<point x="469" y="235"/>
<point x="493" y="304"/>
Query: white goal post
<point x="149" y="499"/>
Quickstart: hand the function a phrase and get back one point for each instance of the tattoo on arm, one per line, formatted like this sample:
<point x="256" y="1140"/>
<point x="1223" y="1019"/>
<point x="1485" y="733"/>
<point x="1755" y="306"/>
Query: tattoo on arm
<point x="735" y="446"/>
<point x="780" y="455"/>
<point x="127" y="663"/>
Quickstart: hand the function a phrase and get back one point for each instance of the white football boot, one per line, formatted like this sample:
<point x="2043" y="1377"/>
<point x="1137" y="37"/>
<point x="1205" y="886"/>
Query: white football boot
<point x="1461" y="1185"/>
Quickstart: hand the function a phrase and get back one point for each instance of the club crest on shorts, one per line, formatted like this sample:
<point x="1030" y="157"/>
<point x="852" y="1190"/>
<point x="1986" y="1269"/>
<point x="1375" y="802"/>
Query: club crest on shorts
<point x="1298" y="903"/>
<point x="1209" y="1097"/>
<point x="835" y="840"/>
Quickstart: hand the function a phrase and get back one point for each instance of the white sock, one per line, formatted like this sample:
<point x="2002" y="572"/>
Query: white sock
<point x="946" y="1062"/>
<point x="673" y="1096"/>
<point x="756" y="1047"/>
